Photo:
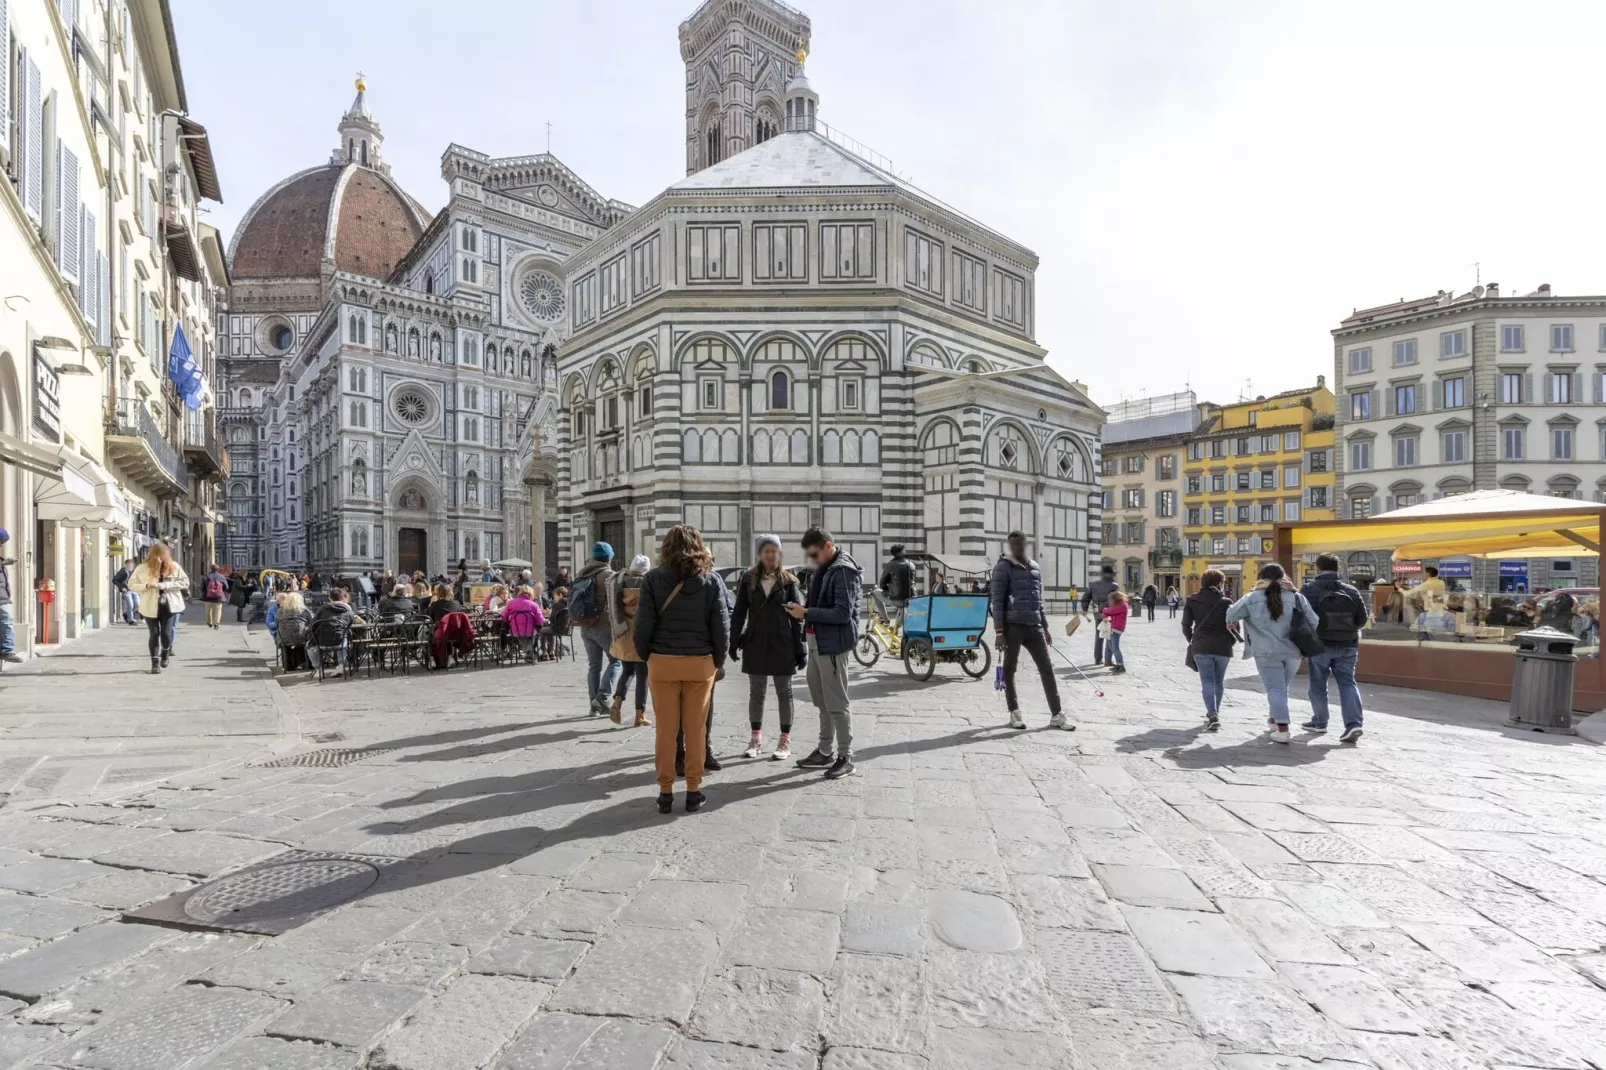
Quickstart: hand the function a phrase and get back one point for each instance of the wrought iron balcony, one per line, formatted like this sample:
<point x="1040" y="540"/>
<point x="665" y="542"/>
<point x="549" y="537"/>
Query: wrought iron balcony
<point x="134" y="440"/>
<point x="202" y="447"/>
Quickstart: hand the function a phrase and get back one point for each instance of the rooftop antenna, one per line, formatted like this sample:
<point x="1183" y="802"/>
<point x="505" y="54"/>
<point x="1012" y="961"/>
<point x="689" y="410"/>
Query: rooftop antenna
<point x="549" y="138"/>
<point x="1477" y="272"/>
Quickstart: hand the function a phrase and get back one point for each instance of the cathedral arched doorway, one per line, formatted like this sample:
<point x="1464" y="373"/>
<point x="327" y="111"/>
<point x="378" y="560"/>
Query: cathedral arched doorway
<point x="415" y="528"/>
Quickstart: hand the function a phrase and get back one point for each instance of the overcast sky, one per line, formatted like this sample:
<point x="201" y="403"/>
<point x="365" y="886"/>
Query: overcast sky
<point x="1210" y="187"/>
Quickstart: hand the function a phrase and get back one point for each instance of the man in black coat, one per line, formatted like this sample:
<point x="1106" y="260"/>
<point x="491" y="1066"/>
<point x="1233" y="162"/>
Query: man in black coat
<point x="1021" y="618"/>
<point x="897" y="585"/>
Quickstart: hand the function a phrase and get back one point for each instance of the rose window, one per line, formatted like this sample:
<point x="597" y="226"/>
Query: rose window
<point x="411" y="407"/>
<point x="542" y="296"/>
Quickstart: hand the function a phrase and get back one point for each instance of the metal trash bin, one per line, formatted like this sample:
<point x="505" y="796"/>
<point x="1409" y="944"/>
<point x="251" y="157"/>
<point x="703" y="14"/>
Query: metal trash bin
<point x="1542" y="681"/>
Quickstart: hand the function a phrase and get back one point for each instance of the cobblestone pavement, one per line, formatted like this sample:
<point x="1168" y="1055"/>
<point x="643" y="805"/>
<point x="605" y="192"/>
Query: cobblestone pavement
<point x="1134" y="894"/>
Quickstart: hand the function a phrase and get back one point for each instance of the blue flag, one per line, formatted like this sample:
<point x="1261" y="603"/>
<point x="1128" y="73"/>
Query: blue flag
<point x="183" y="370"/>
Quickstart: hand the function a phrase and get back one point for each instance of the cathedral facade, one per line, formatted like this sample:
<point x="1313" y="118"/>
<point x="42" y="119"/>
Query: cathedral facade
<point x="790" y="335"/>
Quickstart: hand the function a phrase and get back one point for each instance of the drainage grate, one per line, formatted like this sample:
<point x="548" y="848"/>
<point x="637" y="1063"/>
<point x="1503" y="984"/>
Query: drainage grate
<point x="271" y="897"/>
<point x="326" y="759"/>
<point x="328" y="737"/>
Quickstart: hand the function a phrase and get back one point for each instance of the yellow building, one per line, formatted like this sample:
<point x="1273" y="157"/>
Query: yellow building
<point x="1249" y="466"/>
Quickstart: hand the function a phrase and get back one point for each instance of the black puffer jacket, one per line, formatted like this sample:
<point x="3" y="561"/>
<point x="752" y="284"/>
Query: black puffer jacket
<point x="835" y="600"/>
<point x="1017" y="593"/>
<point x="1204" y="622"/>
<point x="765" y="637"/>
<point x="697" y="622"/>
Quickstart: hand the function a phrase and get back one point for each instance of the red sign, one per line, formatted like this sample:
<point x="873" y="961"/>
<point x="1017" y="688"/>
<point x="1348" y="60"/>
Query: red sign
<point x="1407" y="568"/>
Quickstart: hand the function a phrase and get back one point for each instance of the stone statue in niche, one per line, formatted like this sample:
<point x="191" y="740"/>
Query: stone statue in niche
<point x="359" y="484"/>
<point x="412" y="499"/>
<point x="435" y="348"/>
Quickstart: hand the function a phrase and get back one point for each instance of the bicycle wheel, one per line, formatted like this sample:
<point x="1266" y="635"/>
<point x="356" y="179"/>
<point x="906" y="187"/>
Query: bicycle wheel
<point x="918" y="658"/>
<point x="975" y="663"/>
<point x="867" y="651"/>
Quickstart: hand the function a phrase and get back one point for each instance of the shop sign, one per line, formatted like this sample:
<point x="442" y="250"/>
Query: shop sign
<point x="1407" y="568"/>
<point x="1361" y="571"/>
<point x="1514" y="568"/>
<point x="1455" y="570"/>
<point x="46" y="399"/>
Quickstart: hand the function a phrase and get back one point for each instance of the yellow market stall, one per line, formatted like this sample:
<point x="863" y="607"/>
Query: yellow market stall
<point x="1491" y="524"/>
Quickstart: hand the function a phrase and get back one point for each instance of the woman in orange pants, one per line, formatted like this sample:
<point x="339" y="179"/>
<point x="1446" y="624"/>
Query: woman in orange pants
<point x="683" y="630"/>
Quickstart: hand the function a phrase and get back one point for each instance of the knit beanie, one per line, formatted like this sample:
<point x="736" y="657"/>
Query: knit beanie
<point x="601" y="551"/>
<point x="766" y="540"/>
<point x="640" y="564"/>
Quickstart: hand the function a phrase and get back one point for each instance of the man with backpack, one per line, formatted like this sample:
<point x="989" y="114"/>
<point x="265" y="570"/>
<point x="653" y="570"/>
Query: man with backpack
<point x="214" y="592"/>
<point x="897" y="585"/>
<point x="1341" y="614"/>
<point x="588" y="611"/>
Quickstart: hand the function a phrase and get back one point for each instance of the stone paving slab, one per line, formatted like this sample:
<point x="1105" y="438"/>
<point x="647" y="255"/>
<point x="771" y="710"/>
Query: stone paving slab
<point x="1135" y="894"/>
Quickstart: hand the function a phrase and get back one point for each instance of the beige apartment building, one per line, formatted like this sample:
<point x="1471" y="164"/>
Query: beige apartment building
<point x="1143" y="444"/>
<point x="1476" y="391"/>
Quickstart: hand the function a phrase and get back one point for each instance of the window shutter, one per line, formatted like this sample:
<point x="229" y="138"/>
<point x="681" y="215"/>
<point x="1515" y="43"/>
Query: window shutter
<point x="1600" y="383"/>
<point x="1528" y="389"/>
<point x="1388" y="401"/>
<point x="1377" y="403"/>
<point x="1577" y="394"/>
<point x="1438" y="394"/>
<point x="31" y="128"/>
<point x="67" y="212"/>
<point x="103" y="290"/>
<point x="5" y="81"/>
<point x="88" y="299"/>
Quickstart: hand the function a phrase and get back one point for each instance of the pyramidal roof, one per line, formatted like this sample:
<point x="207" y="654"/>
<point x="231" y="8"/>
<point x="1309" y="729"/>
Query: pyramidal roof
<point x="792" y="159"/>
<point x="809" y="159"/>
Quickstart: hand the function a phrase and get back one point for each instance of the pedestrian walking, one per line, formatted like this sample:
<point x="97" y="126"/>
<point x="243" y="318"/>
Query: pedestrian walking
<point x="161" y="584"/>
<point x="768" y="642"/>
<point x="1115" y="616"/>
<point x="1341" y="614"/>
<point x="1021" y="618"/>
<point x="1151" y="595"/>
<point x="1172" y="600"/>
<point x="1096" y="597"/>
<point x="8" y="647"/>
<point x="214" y="590"/>
<point x="239" y="595"/>
<point x="127" y="600"/>
<point x="830" y="619"/>
<point x="1268" y="612"/>
<point x="1210" y="641"/>
<point x="622" y="606"/>
<point x="682" y="628"/>
<point x="588" y="611"/>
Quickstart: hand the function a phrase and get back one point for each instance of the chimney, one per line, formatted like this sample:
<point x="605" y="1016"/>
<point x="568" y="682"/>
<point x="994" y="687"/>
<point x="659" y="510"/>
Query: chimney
<point x="1544" y="289"/>
<point x="1321" y="381"/>
<point x="1492" y="290"/>
<point x="1445" y="296"/>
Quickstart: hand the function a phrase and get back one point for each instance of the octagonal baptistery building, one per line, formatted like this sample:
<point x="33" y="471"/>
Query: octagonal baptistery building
<point x="794" y="335"/>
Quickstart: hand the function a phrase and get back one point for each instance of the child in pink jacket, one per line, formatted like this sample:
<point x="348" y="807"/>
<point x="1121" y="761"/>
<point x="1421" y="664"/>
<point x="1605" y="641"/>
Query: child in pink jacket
<point x="1115" y="613"/>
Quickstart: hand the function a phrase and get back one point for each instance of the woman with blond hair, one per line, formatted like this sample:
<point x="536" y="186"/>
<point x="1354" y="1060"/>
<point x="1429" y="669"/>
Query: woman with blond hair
<point x="160" y="584"/>
<point x="682" y="628"/>
<point x="496" y="599"/>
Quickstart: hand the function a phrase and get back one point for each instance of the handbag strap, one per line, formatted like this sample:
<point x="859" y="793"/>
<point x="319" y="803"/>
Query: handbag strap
<point x="672" y="595"/>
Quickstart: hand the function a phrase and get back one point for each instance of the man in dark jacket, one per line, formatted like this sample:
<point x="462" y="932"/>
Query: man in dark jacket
<point x="831" y="626"/>
<point x="8" y="650"/>
<point x="127" y="601"/>
<point x="1341" y="614"/>
<point x="1021" y="619"/>
<point x="331" y="627"/>
<point x="1098" y="597"/>
<point x="897" y="585"/>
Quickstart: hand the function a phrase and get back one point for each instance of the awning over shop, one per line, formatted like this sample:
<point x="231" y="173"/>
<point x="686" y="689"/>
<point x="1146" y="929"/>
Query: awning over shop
<point x="81" y="494"/>
<point x="41" y="462"/>
<point x="1480" y="523"/>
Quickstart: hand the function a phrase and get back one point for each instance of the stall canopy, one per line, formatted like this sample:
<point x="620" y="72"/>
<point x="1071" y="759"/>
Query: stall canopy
<point x="81" y="494"/>
<point x="1482" y="523"/>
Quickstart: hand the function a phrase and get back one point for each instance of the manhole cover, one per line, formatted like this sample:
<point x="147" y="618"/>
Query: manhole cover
<point x="328" y="737"/>
<point x="326" y="759"/>
<point x="271" y="897"/>
<point x="273" y="891"/>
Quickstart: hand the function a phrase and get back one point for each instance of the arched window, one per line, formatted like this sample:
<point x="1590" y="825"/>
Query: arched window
<point x="429" y="282"/>
<point x="351" y="149"/>
<point x="356" y="414"/>
<point x="363" y="532"/>
<point x="365" y="152"/>
<point x="355" y="544"/>
<point x="1008" y="448"/>
<point x="800" y="447"/>
<point x="691" y="449"/>
<point x="761" y="446"/>
<point x="780" y="390"/>
<point x="940" y="444"/>
<point x="831" y="448"/>
<point x="871" y="450"/>
<point x="730" y="447"/>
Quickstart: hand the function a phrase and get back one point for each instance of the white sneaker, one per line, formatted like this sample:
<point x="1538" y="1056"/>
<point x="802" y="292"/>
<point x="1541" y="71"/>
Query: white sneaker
<point x="1280" y="734"/>
<point x="783" y="750"/>
<point x="754" y="745"/>
<point x="1016" y="720"/>
<point x="1058" y="721"/>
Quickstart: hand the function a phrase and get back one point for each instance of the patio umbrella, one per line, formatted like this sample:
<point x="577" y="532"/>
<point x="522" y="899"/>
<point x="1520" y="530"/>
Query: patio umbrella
<point x="512" y="563"/>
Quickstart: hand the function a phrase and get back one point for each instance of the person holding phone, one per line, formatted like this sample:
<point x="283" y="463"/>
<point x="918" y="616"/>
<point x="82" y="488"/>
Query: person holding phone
<point x="768" y="642"/>
<point x="830" y="617"/>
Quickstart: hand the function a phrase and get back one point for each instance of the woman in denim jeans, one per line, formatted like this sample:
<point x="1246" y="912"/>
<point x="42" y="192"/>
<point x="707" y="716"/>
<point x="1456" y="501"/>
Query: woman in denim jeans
<point x="1267" y="612"/>
<point x="1204" y="625"/>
